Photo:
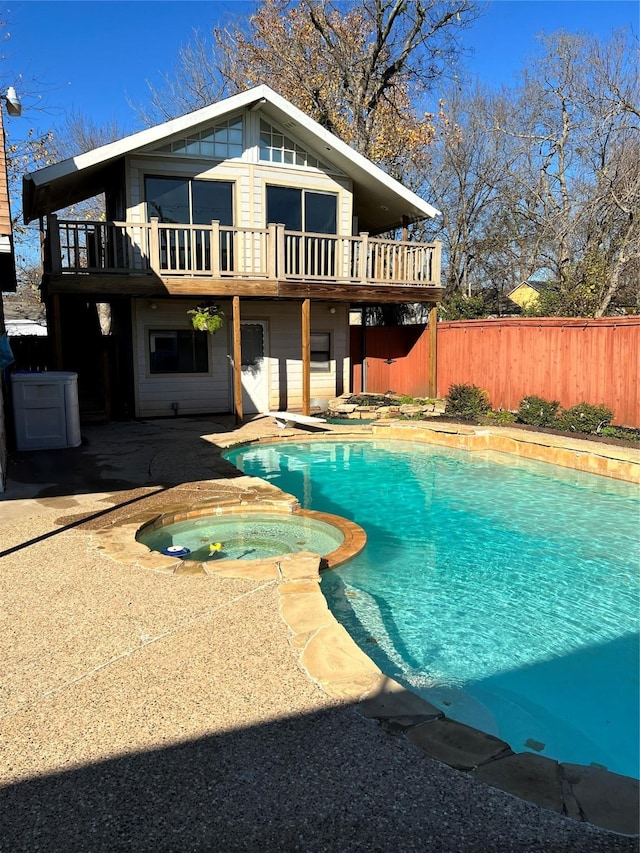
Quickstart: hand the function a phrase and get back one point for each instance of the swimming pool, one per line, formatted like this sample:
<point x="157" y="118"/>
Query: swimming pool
<point x="504" y="592"/>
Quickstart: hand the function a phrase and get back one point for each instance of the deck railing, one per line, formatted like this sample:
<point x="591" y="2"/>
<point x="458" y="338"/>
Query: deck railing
<point x="218" y="251"/>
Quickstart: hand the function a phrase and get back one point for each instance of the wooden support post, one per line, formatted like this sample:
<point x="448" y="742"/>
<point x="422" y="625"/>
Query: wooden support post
<point x="53" y="234"/>
<point x="281" y="261"/>
<point x="364" y="256"/>
<point x="306" y="357"/>
<point x="272" y="251"/>
<point x="55" y="329"/>
<point x="154" y="246"/>
<point x="433" y="352"/>
<point x="237" y="361"/>
<point x="215" y="248"/>
<point x="404" y="273"/>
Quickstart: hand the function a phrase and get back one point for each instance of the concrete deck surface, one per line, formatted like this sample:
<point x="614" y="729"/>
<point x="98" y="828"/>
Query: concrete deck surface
<point x="146" y="711"/>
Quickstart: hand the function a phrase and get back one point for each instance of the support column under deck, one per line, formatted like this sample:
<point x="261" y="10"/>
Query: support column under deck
<point x="237" y="362"/>
<point x="306" y="357"/>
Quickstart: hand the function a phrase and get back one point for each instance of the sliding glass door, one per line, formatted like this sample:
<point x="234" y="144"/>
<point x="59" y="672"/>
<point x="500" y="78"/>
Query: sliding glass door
<point x="305" y="213"/>
<point x="186" y="202"/>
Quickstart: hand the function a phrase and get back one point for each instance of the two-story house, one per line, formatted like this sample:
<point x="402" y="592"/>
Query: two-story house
<point x="247" y="204"/>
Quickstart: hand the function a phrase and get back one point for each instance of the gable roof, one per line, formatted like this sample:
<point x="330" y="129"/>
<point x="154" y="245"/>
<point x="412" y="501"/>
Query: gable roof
<point x="380" y="200"/>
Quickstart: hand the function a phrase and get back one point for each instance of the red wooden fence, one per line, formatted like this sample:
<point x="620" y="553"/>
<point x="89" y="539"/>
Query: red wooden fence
<point x="569" y="360"/>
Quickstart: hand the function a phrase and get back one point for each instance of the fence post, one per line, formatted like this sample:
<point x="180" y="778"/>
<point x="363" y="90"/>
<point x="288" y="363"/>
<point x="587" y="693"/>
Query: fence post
<point x="433" y="352"/>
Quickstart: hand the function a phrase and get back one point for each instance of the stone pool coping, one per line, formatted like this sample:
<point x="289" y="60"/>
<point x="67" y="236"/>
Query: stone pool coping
<point x="331" y="659"/>
<point x="354" y="538"/>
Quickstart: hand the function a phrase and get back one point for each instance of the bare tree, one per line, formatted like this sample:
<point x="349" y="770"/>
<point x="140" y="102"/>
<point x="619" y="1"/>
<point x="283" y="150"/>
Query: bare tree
<point x="361" y="71"/>
<point x="575" y="122"/>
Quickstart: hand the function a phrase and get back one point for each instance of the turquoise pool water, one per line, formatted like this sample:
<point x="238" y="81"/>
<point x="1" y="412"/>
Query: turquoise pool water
<point x="505" y="592"/>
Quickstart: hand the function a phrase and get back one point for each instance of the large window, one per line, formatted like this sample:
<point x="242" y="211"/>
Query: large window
<point x="189" y="202"/>
<point x="275" y="147"/>
<point x="220" y="142"/>
<point x="178" y="351"/>
<point x="182" y="201"/>
<point x="302" y="210"/>
<point x="310" y="212"/>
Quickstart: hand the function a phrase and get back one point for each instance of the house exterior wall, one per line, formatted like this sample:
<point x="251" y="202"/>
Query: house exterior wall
<point x="249" y="175"/>
<point x="523" y="295"/>
<point x="212" y="392"/>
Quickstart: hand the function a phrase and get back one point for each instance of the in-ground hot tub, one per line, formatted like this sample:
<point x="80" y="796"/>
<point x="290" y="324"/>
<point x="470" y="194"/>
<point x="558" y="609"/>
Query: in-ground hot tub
<point x="253" y="535"/>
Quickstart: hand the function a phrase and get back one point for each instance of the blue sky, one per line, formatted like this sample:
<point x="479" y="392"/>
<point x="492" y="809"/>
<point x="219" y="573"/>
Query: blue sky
<point x="94" y="57"/>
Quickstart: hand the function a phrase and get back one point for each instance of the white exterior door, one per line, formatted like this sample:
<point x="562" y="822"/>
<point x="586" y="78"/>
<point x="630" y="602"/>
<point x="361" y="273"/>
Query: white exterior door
<point x="255" y="366"/>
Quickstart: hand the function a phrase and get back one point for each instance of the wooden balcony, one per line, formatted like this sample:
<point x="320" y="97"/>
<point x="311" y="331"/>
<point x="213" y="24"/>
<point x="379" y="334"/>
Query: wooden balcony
<point x="155" y="258"/>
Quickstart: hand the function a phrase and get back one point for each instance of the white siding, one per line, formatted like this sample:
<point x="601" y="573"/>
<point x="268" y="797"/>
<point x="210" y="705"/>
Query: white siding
<point x="194" y="393"/>
<point x="200" y="394"/>
<point x="285" y="350"/>
<point x="249" y="176"/>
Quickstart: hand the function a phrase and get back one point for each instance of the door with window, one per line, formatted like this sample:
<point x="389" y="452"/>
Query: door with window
<point x="185" y="202"/>
<point x="255" y="366"/>
<point x="310" y="212"/>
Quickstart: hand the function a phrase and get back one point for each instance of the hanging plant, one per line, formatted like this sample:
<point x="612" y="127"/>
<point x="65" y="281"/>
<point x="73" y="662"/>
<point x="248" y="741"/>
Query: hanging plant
<point x="206" y="318"/>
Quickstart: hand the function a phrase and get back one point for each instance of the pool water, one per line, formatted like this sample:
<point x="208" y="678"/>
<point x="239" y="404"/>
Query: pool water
<point x="245" y="536"/>
<point x="505" y="592"/>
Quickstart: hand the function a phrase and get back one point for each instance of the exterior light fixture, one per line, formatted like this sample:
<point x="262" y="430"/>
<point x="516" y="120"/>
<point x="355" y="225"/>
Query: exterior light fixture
<point x="14" y="107"/>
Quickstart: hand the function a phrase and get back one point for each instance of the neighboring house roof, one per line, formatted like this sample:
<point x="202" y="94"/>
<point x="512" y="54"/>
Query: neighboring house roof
<point x="380" y="200"/>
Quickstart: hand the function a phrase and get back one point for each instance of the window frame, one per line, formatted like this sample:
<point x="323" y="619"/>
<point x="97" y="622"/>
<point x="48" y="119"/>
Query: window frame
<point x="321" y="366"/>
<point x="180" y="334"/>
<point x="189" y="181"/>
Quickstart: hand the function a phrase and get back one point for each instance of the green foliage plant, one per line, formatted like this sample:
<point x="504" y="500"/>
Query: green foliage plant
<point x="207" y="318"/>
<point x="624" y="433"/>
<point x="467" y="401"/>
<point x="461" y="307"/>
<point x="585" y="418"/>
<point x="537" y="411"/>
<point x="499" y="417"/>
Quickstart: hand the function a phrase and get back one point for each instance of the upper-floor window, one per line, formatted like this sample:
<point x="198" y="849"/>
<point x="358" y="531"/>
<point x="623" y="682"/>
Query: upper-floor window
<point x="183" y="201"/>
<point x="189" y="202"/>
<point x="222" y="141"/>
<point x="275" y="147"/>
<point x="302" y="210"/>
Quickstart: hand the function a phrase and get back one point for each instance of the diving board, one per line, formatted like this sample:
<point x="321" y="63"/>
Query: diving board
<point x="292" y="419"/>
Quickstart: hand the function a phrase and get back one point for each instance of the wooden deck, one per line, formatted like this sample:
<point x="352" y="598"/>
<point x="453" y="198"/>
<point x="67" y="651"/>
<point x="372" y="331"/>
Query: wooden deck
<point x="191" y="260"/>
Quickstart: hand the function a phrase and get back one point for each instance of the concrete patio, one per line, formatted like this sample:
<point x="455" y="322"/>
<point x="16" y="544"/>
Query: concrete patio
<point x="145" y="709"/>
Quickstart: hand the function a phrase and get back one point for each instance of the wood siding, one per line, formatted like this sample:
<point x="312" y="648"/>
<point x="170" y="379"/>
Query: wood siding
<point x="569" y="360"/>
